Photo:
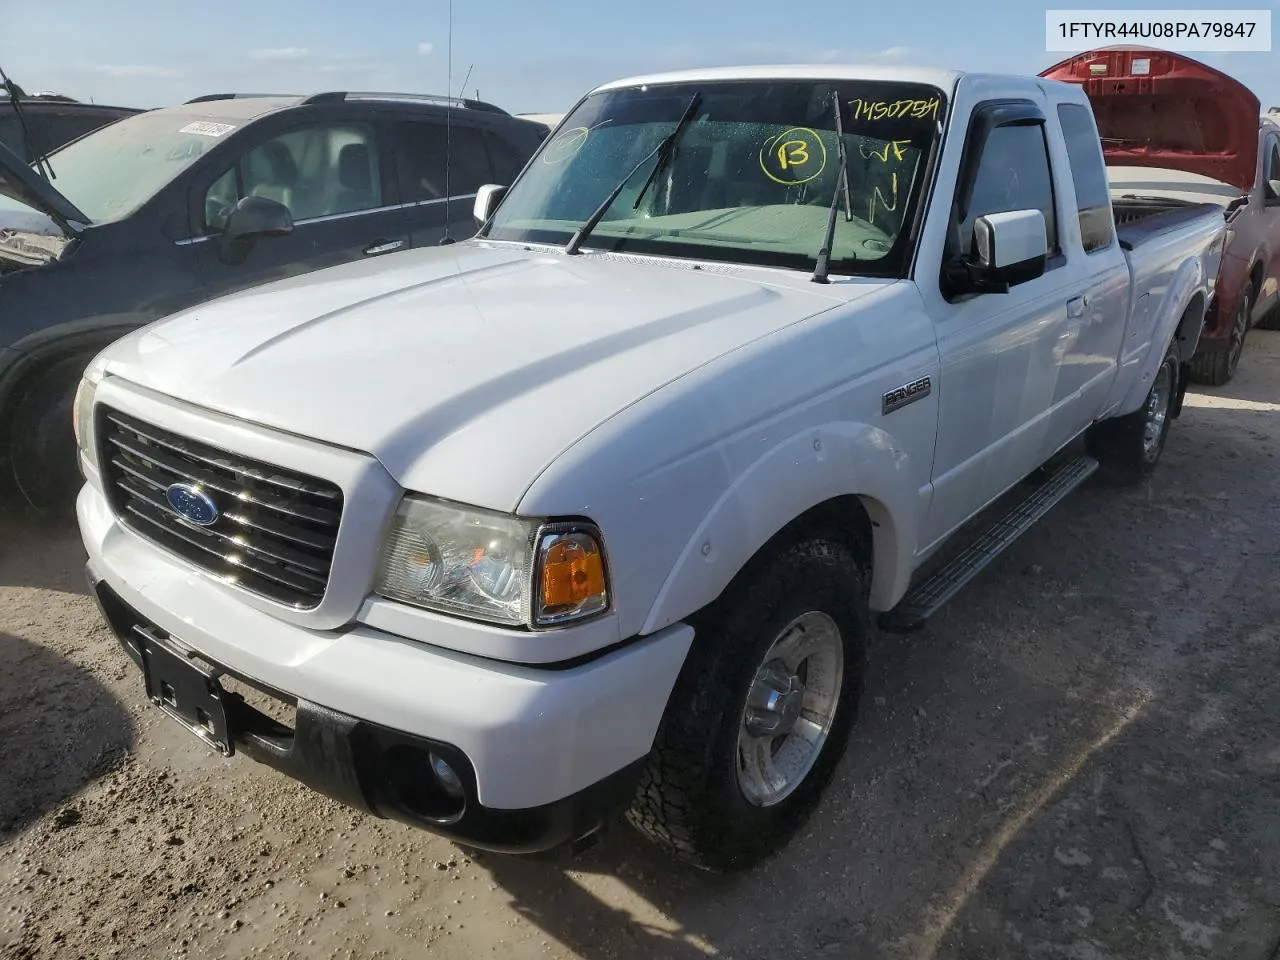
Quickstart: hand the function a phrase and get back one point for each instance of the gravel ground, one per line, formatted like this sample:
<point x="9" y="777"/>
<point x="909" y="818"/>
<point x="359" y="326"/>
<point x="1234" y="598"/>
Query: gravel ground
<point x="1079" y="758"/>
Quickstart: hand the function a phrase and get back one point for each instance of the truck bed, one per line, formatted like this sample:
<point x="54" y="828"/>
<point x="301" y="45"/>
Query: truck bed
<point x="1140" y="221"/>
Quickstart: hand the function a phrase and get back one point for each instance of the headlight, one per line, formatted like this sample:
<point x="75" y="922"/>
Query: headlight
<point x="82" y="419"/>
<point x="492" y="566"/>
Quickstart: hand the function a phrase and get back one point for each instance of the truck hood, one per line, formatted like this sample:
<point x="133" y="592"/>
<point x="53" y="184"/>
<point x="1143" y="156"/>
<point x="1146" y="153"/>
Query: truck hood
<point x="1160" y="109"/>
<point x="19" y="182"/>
<point x="464" y="369"/>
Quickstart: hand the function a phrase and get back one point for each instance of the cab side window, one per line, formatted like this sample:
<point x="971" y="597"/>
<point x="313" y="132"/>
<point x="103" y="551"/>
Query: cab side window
<point x="1089" y="171"/>
<point x="1273" y="163"/>
<point x="1013" y="174"/>
<point x="315" y="171"/>
<point x="421" y="161"/>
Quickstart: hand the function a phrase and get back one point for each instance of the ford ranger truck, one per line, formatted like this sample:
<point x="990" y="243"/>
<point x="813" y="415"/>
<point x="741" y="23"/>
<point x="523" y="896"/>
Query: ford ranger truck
<point x="1176" y="132"/>
<point x="592" y="513"/>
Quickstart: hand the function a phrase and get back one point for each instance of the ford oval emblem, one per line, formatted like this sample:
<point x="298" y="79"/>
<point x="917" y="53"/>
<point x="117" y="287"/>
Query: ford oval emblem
<point x="192" y="504"/>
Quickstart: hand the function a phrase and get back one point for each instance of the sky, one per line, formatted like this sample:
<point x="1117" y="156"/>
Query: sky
<point x="526" y="57"/>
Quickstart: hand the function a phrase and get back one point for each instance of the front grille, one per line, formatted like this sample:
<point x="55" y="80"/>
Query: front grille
<point x="275" y="530"/>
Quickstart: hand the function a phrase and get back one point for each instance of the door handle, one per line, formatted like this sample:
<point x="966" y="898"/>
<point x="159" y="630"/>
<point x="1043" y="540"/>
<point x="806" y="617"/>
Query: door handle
<point x="382" y="246"/>
<point x="1076" y="306"/>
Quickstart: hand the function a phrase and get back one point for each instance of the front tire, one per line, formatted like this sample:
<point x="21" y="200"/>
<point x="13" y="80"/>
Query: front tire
<point x="42" y="445"/>
<point x="762" y="711"/>
<point x="1128" y="448"/>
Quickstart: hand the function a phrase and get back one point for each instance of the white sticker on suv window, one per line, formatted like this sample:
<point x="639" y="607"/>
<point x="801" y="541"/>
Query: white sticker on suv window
<point x="204" y="128"/>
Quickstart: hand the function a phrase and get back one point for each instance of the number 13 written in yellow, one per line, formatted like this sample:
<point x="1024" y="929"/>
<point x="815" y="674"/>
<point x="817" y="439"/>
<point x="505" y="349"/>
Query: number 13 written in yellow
<point x="793" y="153"/>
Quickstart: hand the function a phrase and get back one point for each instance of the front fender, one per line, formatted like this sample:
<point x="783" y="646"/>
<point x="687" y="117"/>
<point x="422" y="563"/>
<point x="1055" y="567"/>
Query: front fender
<point x="809" y="468"/>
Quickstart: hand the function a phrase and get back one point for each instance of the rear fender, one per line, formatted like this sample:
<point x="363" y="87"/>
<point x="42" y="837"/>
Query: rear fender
<point x="1179" y="314"/>
<point x="810" y="468"/>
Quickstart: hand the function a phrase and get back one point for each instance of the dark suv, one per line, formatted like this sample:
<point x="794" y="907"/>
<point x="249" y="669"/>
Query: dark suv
<point x="52" y="120"/>
<point x="171" y="207"/>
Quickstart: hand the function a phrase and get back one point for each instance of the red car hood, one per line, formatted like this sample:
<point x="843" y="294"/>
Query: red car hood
<point x="1159" y="109"/>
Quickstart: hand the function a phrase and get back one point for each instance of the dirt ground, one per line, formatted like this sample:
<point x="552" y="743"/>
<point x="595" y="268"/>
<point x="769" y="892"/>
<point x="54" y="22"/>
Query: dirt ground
<point x="1079" y="758"/>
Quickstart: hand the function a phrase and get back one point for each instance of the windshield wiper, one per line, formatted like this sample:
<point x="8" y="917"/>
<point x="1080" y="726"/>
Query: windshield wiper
<point x="43" y="166"/>
<point x="662" y="151"/>
<point x="820" y="268"/>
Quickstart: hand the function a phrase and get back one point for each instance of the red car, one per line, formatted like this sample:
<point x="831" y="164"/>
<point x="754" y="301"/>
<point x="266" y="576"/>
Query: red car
<point x="1176" y="131"/>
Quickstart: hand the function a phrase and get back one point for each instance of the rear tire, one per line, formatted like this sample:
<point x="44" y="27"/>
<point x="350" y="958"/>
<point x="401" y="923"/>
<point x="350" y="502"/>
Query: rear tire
<point x="42" y="444"/>
<point x="1129" y="447"/>
<point x="1215" y="369"/>
<point x="1271" y="320"/>
<point x="761" y="713"/>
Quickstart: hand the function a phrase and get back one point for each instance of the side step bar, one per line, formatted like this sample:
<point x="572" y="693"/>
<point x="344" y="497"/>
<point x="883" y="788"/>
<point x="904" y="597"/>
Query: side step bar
<point x="922" y="601"/>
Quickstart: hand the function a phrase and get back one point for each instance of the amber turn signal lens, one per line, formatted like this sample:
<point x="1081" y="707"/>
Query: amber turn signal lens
<point x="573" y="582"/>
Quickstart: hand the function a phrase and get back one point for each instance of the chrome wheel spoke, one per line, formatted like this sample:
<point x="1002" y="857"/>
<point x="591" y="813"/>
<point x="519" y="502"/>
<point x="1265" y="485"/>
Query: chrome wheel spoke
<point x="809" y="731"/>
<point x="759" y="766"/>
<point x="797" y="646"/>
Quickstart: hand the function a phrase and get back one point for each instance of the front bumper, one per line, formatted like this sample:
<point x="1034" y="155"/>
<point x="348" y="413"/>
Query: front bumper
<point x="545" y="754"/>
<point x="387" y="772"/>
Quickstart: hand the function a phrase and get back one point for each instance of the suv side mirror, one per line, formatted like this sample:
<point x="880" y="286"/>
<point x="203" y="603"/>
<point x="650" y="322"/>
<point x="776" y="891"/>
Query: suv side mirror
<point x="253" y="217"/>
<point x="1009" y="248"/>
<point x="487" y="199"/>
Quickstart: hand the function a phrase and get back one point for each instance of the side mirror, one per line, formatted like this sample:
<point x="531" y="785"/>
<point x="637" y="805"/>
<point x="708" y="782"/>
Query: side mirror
<point x="253" y="217"/>
<point x="1008" y="249"/>
<point x="487" y="199"/>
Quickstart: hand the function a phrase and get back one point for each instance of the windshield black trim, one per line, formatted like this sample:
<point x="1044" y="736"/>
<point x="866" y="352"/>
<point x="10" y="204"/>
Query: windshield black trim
<point x="902" y="268"/>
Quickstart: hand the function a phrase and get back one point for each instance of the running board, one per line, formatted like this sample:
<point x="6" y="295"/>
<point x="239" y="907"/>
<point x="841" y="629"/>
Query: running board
<point x="923" y="600"/>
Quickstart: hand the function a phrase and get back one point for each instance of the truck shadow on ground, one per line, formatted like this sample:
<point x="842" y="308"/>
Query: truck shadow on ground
<point x="60" y="728"/>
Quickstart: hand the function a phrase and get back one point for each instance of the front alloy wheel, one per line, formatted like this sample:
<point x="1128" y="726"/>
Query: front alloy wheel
<point x="790" y="708"/>
<point x="762" y="710"/>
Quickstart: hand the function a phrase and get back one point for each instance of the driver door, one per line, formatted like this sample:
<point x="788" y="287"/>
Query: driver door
<point x="335" y="178"/>
<point x="1001" y="404"/>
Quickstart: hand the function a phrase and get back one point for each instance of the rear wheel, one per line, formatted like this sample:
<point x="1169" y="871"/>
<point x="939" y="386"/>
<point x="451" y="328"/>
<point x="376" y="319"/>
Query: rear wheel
<point x="1215" y="369"/>
<point x="762" y="711"/>
<point x="42" y="445"/>
<point x="1128" y="447"/>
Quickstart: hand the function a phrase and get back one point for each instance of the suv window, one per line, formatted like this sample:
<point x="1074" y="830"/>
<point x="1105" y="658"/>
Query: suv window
<point x="1089" y="171"/>
<point x="316" y="171"/>
<point x="504" y="158"/>
<point x="422" y="166"/>
<point x="1013" y="174"/>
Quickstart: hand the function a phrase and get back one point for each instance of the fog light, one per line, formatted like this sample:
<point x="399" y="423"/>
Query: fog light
<point x="447" y="776"/>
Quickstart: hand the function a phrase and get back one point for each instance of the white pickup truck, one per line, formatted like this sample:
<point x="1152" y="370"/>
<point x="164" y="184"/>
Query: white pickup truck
<point x="591" y="513"/>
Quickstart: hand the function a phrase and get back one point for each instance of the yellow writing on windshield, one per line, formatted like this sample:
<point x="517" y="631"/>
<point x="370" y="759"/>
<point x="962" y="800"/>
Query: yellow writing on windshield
<point x="793" y="153"/>
<point x="894" y="148"/>
<point x="895" y="109"/>
<point x="793" y="157"/>
<point x="565" y="145"/>
<point x="887" y="204"/>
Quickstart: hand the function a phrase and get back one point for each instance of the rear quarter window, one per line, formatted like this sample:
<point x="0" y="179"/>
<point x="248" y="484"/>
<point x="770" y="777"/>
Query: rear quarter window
<point x="1089" y="172"/>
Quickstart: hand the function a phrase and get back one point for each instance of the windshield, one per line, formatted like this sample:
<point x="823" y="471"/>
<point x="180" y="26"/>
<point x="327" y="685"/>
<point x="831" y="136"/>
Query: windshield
<point x="751" y="179"/>
<point x="114" y="170"/>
